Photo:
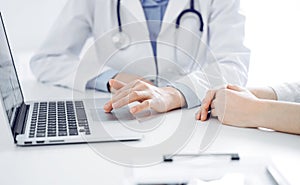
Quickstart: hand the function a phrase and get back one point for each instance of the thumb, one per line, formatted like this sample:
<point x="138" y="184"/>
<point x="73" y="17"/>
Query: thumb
<point x="116" y="84"/>
<point x="234" y="87"/>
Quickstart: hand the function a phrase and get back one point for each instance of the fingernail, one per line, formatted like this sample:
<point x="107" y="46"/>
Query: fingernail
<point x="106" y="106"/>
<point x="197" y="116"/>
<point x="133" y="110"/>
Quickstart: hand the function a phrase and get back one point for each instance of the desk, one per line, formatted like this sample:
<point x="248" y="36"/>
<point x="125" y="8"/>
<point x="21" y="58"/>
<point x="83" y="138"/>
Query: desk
<point x="79" y="164"/>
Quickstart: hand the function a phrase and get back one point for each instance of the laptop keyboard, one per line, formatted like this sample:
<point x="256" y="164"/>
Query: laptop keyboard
<point x="62" y="118"/>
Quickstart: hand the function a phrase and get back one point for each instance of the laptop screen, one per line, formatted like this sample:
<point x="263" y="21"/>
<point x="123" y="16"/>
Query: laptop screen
<point x="9" y="85"/>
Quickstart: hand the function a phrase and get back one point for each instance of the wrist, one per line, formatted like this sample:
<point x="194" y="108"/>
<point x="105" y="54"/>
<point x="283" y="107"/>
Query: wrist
<point x="176" y="99"/>
<point x="252" y="113"/>
<point x="261" y="113"/>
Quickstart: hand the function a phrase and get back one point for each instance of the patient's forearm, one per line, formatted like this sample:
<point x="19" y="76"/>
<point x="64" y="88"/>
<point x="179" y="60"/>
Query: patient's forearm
<point x="280" y="116"/>
<point x="264" y="93"/>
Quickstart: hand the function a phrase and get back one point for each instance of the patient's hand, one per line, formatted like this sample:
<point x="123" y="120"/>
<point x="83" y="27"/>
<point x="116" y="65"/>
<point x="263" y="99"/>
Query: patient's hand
<point x="232" y="105"/>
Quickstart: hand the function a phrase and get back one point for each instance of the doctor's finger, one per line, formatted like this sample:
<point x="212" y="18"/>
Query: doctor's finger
<point x="108" y="106"/>
<point x="132" y="86"/>
<point x="198" y="114"/>
<point x="142" y="106"/>
<point x="129" y="88"/>
<point x="122" y="93"/>
<point x="116" y="84"/>
<point x="121" y="87"/>
<point x="135" y="83"/>
<point x="132" y="97"/>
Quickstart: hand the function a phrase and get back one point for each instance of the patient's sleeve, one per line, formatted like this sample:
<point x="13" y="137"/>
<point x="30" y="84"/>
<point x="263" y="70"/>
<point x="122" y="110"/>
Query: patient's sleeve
<point x="288" y="92"/>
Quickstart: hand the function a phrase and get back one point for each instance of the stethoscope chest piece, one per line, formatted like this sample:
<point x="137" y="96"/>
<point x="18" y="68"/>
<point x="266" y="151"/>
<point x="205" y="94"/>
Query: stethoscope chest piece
<point x="121" y="40"/>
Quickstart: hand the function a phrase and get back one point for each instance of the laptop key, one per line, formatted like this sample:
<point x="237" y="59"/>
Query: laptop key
<point x="62" y="133"/>
<point x="73" y="132"/>
<point x="51" y="133"/>
<point x="81" y="130"/>
<point x="40" y="135"/>
<point x="41" y="128"/>
<point x="51" y="130"/>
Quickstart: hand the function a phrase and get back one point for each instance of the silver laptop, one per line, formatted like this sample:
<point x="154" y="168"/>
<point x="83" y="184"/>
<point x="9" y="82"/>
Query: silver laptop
<point x="55" y="122"/>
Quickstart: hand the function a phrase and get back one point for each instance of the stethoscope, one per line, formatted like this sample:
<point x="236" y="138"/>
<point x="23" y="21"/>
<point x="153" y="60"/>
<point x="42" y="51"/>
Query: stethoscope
<point x="121" y="39"/>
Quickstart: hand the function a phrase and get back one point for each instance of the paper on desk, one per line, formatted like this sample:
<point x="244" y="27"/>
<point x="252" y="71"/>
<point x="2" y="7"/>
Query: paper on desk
<point x="182" y="171"/>
<point x="228" y="179"/>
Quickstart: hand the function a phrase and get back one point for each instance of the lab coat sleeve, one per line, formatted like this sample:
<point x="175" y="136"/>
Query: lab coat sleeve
<point x="190" y="97"/>
<point x="289" y="92"/>
<point x="100" y="82"/>
<point x="229" y="58"/>
<point x="58" y="59"/>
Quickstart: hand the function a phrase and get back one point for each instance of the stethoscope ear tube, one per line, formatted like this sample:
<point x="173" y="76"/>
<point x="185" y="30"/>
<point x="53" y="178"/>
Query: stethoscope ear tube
<point x="119" y="16"/>
<point x="121" y="39"/>
<point x="190" y="10"/>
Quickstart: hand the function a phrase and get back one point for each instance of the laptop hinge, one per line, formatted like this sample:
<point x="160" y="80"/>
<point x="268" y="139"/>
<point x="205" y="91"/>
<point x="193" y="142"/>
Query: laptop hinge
<point x="19" y="124"/>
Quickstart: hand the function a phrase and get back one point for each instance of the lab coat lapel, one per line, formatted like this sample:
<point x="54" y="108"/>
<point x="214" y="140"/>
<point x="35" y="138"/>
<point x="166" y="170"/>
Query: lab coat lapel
<point x="138" y="33"/>
<point x="135" y="8"/>
<point x="173" y="10"/>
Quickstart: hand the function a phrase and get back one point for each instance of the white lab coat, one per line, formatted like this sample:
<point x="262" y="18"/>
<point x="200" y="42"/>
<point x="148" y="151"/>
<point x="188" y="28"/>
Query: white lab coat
<point x="220" y="45"/>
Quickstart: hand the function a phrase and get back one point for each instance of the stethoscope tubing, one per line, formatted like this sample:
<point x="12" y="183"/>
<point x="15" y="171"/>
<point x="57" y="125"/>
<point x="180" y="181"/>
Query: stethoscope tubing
<point x="189" y="10"/>
<point x="119" y="16"/>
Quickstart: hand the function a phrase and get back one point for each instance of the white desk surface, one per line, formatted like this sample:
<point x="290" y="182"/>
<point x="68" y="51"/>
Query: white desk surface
<point x="79" y="164"/>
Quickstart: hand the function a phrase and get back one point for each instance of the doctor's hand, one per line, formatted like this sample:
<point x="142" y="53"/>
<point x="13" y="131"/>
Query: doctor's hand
<point x="232" y="105"/>
<point x="159" y="99"/>
<point x="127" y="78"/>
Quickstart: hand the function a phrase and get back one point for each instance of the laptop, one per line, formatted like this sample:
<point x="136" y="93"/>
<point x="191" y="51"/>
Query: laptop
<point x="55" y="122"/>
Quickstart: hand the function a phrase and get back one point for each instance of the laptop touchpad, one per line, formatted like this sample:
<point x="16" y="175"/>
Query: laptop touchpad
<point x="116" y="115"/>
<point x="95" y="107"/>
